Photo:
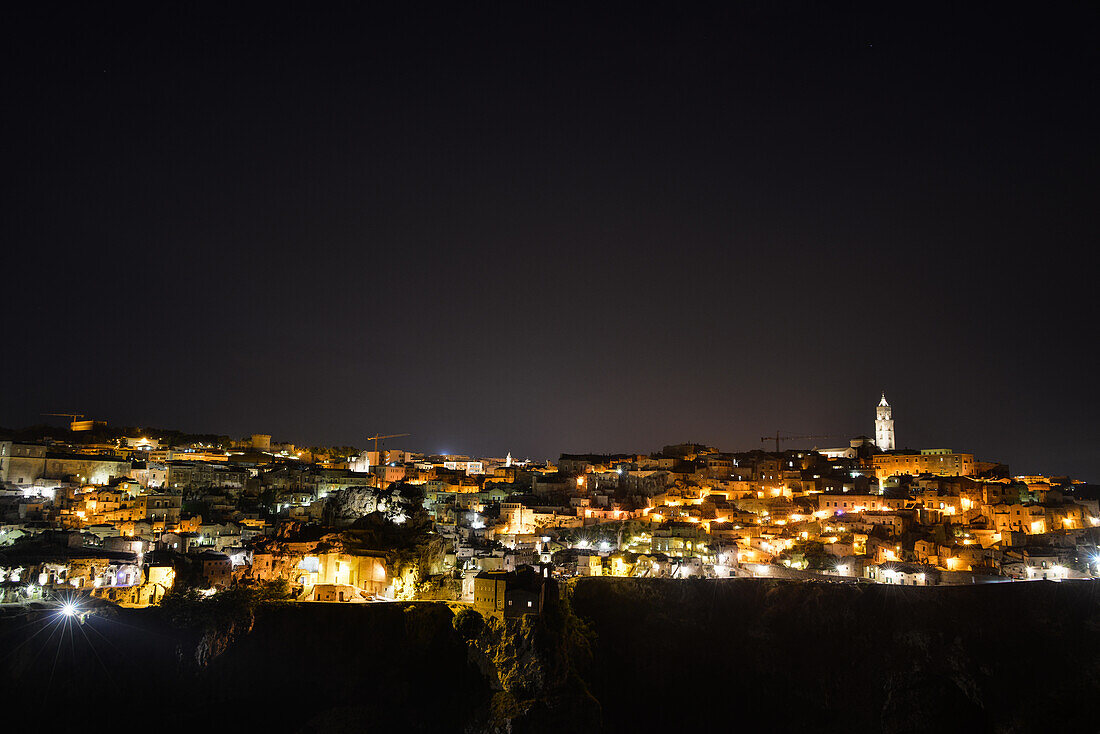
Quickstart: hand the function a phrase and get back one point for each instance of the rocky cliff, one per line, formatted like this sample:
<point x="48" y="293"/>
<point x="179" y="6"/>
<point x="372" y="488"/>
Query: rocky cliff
<point x="608" y="654"/>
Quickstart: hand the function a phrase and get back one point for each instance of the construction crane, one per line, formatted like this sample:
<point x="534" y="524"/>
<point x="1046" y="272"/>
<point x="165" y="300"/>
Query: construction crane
<point x="377" y="437"/>
<point x="75" y="424"/>
<point x="70" y="416"/>
<point x="779" y="437"/>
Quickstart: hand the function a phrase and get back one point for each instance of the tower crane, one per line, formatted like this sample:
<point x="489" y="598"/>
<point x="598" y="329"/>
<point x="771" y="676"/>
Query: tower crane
<point x="377" y="437"/>
<point x="75" y="423"/>
<point x="789" y="437"/>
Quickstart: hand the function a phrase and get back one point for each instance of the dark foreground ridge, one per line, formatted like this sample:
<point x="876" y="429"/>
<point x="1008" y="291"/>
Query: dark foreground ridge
<point x="794" y="656"/>
<point x="615" y="655"/>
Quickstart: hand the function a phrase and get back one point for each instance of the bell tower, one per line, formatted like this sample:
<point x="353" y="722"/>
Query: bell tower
<point x="884" y="426"/>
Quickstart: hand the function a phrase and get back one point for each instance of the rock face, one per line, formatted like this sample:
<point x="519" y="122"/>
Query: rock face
<point x="611" y="655"/>
<point x="344" y="506"/>
<point x="217" y="639"/>
<point x="531" y="664"/>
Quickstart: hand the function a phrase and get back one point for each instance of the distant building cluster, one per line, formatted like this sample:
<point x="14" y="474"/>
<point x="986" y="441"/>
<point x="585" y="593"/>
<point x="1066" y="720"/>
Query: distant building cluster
<point x="133" y="518"/>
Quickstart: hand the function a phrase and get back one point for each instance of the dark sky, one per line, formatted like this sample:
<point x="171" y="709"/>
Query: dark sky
<point x="548" y="228"/>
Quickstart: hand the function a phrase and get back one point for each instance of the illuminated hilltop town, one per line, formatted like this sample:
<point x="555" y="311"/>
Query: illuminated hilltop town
<point x="130" y="515"/>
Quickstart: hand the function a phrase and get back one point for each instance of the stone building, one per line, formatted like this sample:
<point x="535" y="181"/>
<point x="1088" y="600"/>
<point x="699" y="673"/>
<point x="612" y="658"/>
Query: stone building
<point x="25" y="463"/>
<point x="942" y="462"/>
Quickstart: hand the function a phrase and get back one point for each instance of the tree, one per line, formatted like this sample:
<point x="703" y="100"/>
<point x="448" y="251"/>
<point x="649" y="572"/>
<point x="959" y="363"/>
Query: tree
<point x="812" y="552"/>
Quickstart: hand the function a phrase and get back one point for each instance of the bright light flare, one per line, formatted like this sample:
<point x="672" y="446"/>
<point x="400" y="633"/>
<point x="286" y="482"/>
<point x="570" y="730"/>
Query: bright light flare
<point x="68" y="609"/>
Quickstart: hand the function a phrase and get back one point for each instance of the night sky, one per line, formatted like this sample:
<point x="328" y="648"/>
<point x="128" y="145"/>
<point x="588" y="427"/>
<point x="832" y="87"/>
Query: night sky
<point x="558" y="228"/>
